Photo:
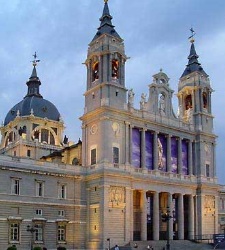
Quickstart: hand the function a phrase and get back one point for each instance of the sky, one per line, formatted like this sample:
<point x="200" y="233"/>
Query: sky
<point x="155" y="34"/>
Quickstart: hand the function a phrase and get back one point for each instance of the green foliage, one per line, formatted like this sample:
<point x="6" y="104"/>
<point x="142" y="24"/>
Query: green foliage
<point x="37" y="248"/>
<point x="61" y="248"/>
<point x="12" y="248"/>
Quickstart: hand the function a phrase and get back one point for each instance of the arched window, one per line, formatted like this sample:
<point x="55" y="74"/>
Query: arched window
<point x="95" y="71"/>
<point x="44" y="136"/>
<point x="10" y="138"/>
<point x="188" y="102"/>
<point x="115" y="69"/>
<point x="205" y="100"/>
<point x="75" y="161"/>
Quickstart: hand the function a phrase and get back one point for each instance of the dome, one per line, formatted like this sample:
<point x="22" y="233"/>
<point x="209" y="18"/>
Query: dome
<point x="38" y="106"/>
<point x="33" y="103"/>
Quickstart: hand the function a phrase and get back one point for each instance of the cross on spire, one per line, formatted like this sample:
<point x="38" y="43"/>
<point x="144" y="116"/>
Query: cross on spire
<point x="191" y="38"/>
<point x="35" y="61"/>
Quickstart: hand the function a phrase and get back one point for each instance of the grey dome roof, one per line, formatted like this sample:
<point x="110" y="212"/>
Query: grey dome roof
<point x="33" y="103"/>
<point x="39" y="106"/>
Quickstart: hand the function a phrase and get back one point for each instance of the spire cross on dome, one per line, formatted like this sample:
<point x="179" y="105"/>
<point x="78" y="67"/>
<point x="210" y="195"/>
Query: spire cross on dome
<point x="191" y="38"/>
<point x="35" y="61"/>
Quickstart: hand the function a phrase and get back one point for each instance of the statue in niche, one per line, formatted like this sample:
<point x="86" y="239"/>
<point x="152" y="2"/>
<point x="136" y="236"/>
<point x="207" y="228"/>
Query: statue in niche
<point x="160" y="155"/>
<point x="143" y="101"/>
<point x="162" y="107"/>
<point x="131" y="97"/>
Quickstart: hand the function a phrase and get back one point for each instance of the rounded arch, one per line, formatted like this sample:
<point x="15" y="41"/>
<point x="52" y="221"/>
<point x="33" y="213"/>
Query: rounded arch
<point x="205" y="99"/>
<point x="10" y="136"/>
<point x="44" y="135"/>
<point x="95" y="71"/>
<point x="115" y="69"/>
<point x="75" y="161"/>
<point x="188" y="101"/>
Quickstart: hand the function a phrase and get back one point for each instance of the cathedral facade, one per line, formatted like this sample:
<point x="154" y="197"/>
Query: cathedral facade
<point x="133" y="166"/>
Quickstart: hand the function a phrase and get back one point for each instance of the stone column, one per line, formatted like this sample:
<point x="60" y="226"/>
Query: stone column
<point x="180" y="217"/>
<point x="131" y="214"/>
<point x="84" y="146"/>
<point x="127" y="143"/>
<point x="190" y="160"/>
<point x="213" y="150"/>
<point x="102" y="71"/>
<point x="128" y="214"/>
<point x="169" y="153"/>
<point x="143" y="155"/>
<point x="209" y="102"/>
<point x="156" y="216"/>
<point x="190" y="217"/>
<point x="216" y="214"/>
<point x="179" y="155"/>
<point x="170" y="221"/>
<point x="131" y="142"/>
<point x="104" y="225"/>
<point x="155" y="151"/>
<point x="143" y="216"/>
<point x="109" y="78"/>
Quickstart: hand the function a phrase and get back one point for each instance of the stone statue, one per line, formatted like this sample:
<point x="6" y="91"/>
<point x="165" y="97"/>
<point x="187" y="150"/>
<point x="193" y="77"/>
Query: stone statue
<point x="189" y="114"/>
<point x="143" y="101"/>
<point x="178" y="111"/>
<point x="131" y="97"/>
<point x="162" y="109"/>
<point x="160" y="155"/>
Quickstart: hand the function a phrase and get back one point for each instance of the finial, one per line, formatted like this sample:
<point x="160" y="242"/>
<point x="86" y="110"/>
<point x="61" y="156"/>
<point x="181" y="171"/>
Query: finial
<point x="191" y="38"/>
<point x="35" y="61"/>
<point x="106" y="1"/>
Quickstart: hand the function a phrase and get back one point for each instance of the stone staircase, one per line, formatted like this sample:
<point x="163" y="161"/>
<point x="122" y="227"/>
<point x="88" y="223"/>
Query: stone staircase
<point x="160" y="245"/>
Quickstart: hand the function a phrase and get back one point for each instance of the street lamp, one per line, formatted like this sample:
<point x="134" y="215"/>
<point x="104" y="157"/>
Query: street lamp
<point x="32" y="230"/>
<point x="166" y="218"/>
<point x="108" y="239"/>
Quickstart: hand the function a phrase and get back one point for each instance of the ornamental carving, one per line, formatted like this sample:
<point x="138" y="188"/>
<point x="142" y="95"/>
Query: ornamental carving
<point x="209" y="204"/>
<point x="116" y="196"/>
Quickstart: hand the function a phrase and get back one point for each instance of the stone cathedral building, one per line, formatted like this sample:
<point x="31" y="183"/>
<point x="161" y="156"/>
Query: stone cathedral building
<point x="133" y="164"/>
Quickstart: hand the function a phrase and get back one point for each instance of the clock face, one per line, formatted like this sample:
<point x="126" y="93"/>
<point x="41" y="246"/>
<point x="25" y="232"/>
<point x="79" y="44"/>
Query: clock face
<point x="94" y="129"/>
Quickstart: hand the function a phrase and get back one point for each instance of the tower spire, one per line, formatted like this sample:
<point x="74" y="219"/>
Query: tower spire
<point x="33" y="83"/>
<point x="193" y="64"/>
<point x="106" y="26"/>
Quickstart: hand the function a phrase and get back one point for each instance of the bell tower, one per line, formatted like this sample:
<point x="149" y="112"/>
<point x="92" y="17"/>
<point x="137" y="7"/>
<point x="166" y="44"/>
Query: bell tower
<point x="194" y="94"/>
<point x="105" y="67"/>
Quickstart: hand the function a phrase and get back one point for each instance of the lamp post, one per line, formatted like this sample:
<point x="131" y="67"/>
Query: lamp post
<point x="32" y="230"/>
<point x="108" y="239"/>
<point x="166" y="218"/>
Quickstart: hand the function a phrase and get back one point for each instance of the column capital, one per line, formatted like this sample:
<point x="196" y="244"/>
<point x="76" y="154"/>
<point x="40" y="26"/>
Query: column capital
<point x="127" y="123"/>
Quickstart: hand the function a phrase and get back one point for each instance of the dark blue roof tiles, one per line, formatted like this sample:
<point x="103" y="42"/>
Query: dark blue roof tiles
<point x="193" y="64"/>
<point x="39" y="107"/>
<point x="33" y="103"/>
